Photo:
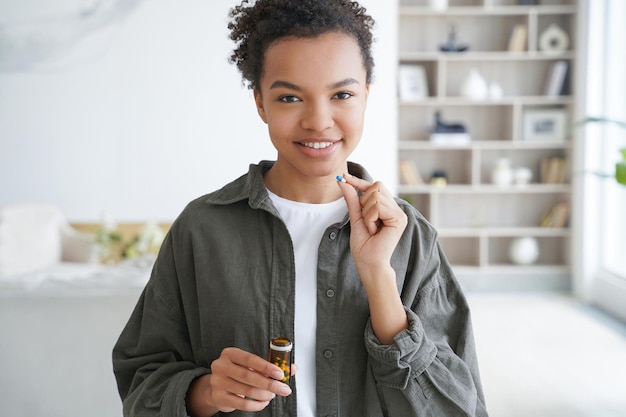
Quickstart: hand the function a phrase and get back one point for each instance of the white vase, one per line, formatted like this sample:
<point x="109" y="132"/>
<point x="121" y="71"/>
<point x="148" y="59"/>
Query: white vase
<point x="553" y="39"/>
<point x="502" y="174"/>
<point x="524" y="251"/>
<point x="523" y="175"/>
<point x="495" y="91"/>
<point x="475" y="86"/>
<point x="439" y="5"/>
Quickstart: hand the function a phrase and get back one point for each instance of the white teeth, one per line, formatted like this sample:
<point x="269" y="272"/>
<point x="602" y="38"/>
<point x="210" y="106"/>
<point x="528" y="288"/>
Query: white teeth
<point x="318" y="145"/>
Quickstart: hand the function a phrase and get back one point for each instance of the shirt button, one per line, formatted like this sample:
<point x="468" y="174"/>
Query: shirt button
<point x="328" y="354"/>
<point x="330" y="293"/>
<point x="332" y="235"/>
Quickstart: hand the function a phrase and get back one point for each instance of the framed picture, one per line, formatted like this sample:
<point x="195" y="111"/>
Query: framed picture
<point x="412" y="83"/>
<point x="544" y="125"/>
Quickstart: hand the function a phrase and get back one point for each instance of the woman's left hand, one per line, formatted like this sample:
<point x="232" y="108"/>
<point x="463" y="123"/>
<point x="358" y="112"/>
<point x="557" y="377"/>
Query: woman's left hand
<point x="376" y="225"/>
<point x="376" y="221"/>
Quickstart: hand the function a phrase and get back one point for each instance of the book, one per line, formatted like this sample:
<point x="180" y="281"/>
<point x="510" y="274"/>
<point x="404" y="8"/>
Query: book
<point x="555" y="81"/>
<point x="557" y="216"/>
<point x="517" y="39"/>
<point x="561" y="173"/>
<point x="409" y="174"/>
<point x="553" y="170"/>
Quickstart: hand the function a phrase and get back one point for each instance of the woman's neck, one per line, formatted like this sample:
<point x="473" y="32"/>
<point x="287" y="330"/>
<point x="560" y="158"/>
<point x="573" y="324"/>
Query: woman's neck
<point x="312" y="190"/>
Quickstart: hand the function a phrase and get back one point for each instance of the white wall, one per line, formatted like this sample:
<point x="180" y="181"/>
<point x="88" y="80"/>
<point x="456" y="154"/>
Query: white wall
<point x="148" y="115"/>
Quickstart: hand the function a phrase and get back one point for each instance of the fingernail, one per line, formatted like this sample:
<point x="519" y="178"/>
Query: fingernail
<point x="340" y="178"/>
<point x="284" y="390"/>
<point x="278" y="375"/>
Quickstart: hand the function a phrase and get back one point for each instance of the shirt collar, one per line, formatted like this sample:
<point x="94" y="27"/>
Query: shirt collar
<point x="251" y="187"/>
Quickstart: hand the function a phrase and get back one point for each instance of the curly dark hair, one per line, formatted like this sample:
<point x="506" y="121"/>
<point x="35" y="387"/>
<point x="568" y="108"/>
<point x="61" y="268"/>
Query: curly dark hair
<point x="257" y="24"/>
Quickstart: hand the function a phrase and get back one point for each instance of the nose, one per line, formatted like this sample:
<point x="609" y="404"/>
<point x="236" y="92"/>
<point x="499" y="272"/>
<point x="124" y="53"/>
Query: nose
<point x="317" y="116"/>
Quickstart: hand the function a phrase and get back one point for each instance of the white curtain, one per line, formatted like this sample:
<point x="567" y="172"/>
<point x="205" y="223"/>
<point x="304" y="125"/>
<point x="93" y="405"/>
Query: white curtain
<point x="603" y="201"/>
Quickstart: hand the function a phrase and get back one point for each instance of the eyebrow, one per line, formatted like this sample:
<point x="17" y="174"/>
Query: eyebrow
<point x="286" y="84"/>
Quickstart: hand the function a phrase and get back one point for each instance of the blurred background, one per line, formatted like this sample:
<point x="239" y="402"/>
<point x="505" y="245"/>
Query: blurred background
<point x="501" y="120"/>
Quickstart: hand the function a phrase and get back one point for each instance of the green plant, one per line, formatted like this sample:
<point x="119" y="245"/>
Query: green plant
<point x="620" y="166"/>
<point x="106" y="238"/>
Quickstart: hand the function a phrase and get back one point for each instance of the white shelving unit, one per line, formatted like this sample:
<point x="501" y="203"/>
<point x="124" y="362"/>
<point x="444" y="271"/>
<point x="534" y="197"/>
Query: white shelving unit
<point x="477" y="221"/>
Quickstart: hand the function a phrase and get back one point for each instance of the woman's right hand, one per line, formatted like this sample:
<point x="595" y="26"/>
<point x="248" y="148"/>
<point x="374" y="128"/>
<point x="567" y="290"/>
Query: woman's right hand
<point x="239" y="380"/>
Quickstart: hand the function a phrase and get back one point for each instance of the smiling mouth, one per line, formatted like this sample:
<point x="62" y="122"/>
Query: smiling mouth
<point x="317" y="145"/>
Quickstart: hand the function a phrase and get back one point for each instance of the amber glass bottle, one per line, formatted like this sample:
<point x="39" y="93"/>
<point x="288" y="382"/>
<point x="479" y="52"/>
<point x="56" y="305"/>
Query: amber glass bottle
<point x="280" y="355"/>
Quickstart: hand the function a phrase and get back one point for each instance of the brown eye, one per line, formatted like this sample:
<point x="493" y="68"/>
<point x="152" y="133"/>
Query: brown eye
<point x="288" y="99"/>
<point x="344" y="95"/>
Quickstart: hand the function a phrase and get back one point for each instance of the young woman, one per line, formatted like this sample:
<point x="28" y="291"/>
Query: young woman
<point x="305" y="247"/>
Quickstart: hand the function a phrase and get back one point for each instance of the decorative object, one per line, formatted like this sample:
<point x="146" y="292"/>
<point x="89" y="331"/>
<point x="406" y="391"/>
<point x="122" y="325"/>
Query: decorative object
<point x="116" y="243"/>
<point x="556" y="81"/>
<point x="412" y="84"/>
<point x="524" y="251"/>
<point x="447" y="127"/>
<point x="495" y="91"/>
<point x="439" y="179"/>
<point x="502" y="174"/>
<point x="475" y="86"/>
<point x="147" y="241"/>
<point x="106" y="238"/>
<point x="522" y="176"/>
<point x="452" y="45"/>
<point x="439" y="5"/>
<point x="553" y="40"/>
<point x="527" y="2"/>
<point x="544" y="125"/>
<point x="445" y="133"/>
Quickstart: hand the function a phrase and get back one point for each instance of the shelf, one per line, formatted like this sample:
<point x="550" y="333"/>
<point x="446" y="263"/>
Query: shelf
<point x="506" y="269"/>
<point x="474" y="56"/>
<point x="505" y="101"/>
<point x="488" y="10"/>
<point x="485" y="189"/>
<point x="505" y="232"/>
<point x="478" y="221"/>
<point x="418" y="145"/>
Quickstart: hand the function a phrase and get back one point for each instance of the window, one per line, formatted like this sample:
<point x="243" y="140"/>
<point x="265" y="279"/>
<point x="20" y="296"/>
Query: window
<point x="613" y="228"/>
<point x="601" y="245"/>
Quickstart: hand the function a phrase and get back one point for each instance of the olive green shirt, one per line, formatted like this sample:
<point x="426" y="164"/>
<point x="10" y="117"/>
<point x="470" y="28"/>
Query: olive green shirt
<point x="225" y="276"/>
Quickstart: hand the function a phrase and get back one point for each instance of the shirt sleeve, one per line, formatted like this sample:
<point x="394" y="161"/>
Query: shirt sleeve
<point x="152" y="359"/>
<point x="431" y="369"/>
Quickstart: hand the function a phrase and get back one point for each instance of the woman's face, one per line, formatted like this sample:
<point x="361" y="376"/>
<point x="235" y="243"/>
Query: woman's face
<point x="313" y="95"/>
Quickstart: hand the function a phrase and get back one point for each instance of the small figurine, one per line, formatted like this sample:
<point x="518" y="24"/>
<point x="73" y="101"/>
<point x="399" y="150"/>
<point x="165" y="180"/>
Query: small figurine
<point x="449" y="133"/>
<point x="439" y="178"/>
<point x="441" y="127"/>
<point x="452" y="44"/>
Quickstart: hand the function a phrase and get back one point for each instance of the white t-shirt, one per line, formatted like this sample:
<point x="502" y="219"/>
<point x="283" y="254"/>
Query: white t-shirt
<point x="306" y="224"/>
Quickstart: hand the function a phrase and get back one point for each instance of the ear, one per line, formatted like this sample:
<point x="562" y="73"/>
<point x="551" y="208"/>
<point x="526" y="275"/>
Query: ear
<point x="258" y="99"/>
